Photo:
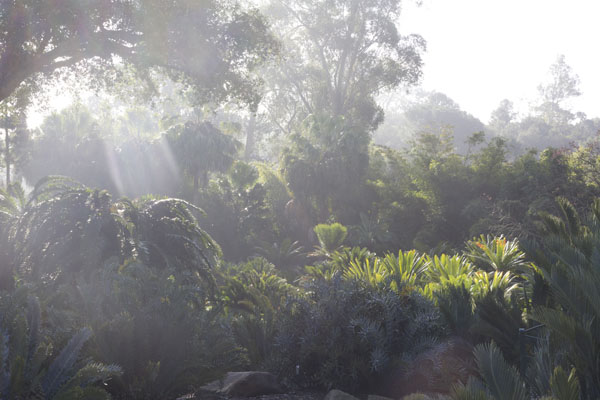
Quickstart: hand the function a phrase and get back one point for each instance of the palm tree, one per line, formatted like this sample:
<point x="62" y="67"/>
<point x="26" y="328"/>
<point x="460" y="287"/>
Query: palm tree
<point x="200" y="149"/>
<point x="67" y="231"/>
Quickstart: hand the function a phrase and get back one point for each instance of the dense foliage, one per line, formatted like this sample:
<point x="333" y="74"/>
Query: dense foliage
<point x="271" y="232"/>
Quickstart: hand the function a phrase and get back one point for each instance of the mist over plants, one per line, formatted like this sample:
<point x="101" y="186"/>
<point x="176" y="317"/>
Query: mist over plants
<point x="241" y="186"/>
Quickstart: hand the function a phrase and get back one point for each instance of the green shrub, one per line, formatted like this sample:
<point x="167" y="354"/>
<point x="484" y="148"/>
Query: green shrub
<point x="343" y="334"/>
<point x="31" y="368"/>
<point x="253" y="294"/>
<point x="162" y="329"/>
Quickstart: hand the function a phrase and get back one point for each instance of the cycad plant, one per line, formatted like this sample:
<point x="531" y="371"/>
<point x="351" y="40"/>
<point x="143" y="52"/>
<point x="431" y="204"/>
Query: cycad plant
<point x="165" y="331"/>
<point x="12" y="205"/>
<point x="496" y="254"/>
<point x="139" y="272"/>
<point x="402" y="271"/>
<point x="342" y="333"/>
<point x="30" y="370"/>
<point x="331" y="238"/>
<point x="67" y="231"/>
<point x="568" y="256"/>
<point x="285" y="255"/>
<point x="252" y="295"/>
<point x="446" y="271"/>
<point x="499" y="380"/>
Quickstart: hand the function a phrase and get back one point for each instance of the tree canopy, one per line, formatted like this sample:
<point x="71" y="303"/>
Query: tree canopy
<point x="214" y="44"/>
<point x="342" y="54"/>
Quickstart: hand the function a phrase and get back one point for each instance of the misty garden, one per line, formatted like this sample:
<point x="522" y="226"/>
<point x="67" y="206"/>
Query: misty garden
<point x="214" y="199"/>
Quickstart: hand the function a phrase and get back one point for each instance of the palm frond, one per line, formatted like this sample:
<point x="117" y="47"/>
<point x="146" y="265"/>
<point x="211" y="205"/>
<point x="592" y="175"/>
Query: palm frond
<point x="502" y="379"/>
<point x="565" y="386"/>
<point x="60" y="369"/>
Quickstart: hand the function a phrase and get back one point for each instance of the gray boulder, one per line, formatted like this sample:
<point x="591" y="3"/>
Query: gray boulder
<point x="339" y="395"/>
<point x="246" y="384"/>
<point x="376" y="397"/>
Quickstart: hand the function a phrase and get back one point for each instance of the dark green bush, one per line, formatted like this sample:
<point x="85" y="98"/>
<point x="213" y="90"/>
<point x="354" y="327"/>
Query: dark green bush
<point x="343" y="334"/>
<point x="162" y="330"/>
<point x="31" y="365"/>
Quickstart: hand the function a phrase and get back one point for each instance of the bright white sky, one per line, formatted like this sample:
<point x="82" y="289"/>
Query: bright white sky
<point x="482" y="51"/>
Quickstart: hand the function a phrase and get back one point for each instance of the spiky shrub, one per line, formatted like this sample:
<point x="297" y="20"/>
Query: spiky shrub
<point x="29" y="368"/>
<point x="343" y="334"/>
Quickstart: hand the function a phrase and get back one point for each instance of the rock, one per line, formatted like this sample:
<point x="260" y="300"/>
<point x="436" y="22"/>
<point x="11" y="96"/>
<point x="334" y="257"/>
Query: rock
<point x="433" y="372"/>
<point x="376" y="397"/>
<point x="419" y="396"/>
<point x="246" y="384"/>
<point x="339" y="395"/>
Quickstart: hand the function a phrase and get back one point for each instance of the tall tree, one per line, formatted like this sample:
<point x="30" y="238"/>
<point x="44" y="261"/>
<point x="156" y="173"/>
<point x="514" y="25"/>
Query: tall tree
<point x="14" y="130"/>
<point x="38" y="38"/>
<point x="200" y="149"/>
<point x="341" y="54"/>
<point x="562" y="85"/>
